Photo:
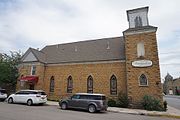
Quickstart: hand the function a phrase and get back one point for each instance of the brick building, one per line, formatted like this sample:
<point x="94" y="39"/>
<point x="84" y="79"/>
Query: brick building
<point x="171" y="86"/>
<point x="127" y="64"/>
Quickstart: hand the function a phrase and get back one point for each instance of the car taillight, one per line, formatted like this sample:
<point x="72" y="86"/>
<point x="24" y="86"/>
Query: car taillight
<point x="38" y="96"/>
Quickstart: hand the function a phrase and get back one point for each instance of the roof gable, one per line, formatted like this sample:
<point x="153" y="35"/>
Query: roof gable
<point x="29" y="57"/>
<point x="33" y="55"/>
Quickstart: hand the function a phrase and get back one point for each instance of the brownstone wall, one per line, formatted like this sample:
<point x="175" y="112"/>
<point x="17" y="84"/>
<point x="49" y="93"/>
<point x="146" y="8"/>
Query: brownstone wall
<point x="136" y="92"/>
<point x="25" y="70"/>
<point x="101" y="73"/>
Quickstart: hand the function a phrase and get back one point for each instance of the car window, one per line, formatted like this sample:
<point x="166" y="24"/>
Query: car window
<point x="33" y="92"/>
<point x="75" y="97"/>
<point x="83" y="97"/>
<point x="3" y="91"/>
<point x="41" y="93"/>
<point x="98" y="97"/>
<point x="20" y="92"/>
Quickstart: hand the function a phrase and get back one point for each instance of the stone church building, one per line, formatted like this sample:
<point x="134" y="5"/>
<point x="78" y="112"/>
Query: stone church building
<point x="128" y="64"/>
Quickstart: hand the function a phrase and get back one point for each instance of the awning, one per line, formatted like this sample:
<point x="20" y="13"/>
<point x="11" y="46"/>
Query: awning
<point x="33" y="79"/>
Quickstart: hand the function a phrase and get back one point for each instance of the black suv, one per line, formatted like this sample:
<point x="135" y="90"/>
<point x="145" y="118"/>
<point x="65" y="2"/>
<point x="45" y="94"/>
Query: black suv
<point x="86" y="101"/>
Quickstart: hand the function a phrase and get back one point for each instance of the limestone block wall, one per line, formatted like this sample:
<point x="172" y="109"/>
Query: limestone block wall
<point x="101" y="73"/>
<point x="154" y="88"/>
<point x="25" y="70"/>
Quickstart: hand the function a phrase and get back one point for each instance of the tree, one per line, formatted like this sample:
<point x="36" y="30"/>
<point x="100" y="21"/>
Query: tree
<point x="9" y="70"/>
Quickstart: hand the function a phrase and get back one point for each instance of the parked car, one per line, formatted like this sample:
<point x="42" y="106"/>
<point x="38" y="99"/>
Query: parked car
<point x="86" y="101"/>
<point x="3" y="94"/>
<point x="29" y="97"/>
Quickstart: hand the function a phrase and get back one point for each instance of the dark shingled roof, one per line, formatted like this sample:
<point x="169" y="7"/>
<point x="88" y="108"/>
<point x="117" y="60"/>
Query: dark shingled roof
<point x="105" y="49"/>
<point x="39" y="55"/>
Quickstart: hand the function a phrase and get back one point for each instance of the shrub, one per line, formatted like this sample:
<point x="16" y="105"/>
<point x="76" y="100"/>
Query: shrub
<point x="150" y="103"/>
<point x="111" y="103"/>
<point x="122" y="100"/>
<point x="165" y="105"/>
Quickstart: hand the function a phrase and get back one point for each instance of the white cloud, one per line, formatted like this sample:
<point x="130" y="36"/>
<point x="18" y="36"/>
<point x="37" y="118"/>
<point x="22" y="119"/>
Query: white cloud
<point x="33" y="23"/>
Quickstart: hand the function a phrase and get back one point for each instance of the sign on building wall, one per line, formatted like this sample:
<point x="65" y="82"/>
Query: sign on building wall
<point x="142" y="63"/>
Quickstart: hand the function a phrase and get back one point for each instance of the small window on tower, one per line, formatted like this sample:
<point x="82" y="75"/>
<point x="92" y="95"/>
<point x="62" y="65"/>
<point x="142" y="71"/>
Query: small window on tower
<point x="138" y="21"/>
<point x="143" y="80"/>
<point x="140" y="49"/>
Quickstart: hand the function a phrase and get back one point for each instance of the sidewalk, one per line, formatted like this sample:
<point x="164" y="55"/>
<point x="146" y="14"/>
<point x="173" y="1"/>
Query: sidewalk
<point x="172" y="96"/>
<point x="171" y="112"/>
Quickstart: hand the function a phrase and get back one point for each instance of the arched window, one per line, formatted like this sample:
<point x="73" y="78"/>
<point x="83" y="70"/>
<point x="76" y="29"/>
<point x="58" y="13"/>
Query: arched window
<point x="143" y="80"/>
<point x="113" y="85"/>
<point x="90" y="84"/>
<point x="51" y="88"/>
<point x="140" y="49"/>
<point x="69" y="84"/>
<point x="138" y="21"/>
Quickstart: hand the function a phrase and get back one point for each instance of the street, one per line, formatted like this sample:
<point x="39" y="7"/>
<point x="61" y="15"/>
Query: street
<point x="24" y="112"/>
<point x="173" y="101"/>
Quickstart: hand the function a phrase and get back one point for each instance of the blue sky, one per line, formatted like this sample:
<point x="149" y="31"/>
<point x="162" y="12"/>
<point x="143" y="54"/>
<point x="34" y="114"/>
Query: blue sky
<point x="37" y="23"/>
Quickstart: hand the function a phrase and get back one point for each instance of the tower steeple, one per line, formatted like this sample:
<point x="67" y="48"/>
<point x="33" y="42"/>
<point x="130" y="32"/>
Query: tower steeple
<point x="142" y="62"/>
<point x="138" y="17"/>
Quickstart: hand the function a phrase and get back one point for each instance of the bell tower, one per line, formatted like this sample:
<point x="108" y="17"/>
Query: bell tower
<point x="142" y="62"/>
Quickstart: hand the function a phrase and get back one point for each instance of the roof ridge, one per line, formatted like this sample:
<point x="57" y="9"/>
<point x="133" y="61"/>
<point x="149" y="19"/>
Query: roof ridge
<point x="83" y="41"/>
<point x="37" y="50"/>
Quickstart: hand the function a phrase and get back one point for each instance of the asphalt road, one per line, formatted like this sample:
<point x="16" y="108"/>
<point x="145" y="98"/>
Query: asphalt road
<point x="23" y="112"/>
<point x="173" y="101"/>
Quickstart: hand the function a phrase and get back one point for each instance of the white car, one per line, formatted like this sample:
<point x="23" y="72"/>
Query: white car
<point x="29" y="97"/>
<point x="3" y="94"/>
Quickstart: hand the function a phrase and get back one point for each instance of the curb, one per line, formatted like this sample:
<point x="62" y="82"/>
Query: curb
<point x="148" y="114"/>
<point x="136" y="113"/>
<point x="50" y="104"/>
<point x="164" y="115"/>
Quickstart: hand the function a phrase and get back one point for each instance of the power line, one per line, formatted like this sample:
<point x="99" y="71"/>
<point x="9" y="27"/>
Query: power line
<point x="172" y="52"/>
<point x="169" y="63"/>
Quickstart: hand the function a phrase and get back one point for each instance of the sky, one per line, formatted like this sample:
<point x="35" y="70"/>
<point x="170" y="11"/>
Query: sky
<point x="37" y="23"/>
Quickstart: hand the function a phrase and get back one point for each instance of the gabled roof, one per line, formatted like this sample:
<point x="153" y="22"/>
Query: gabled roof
<point x="105" y="49"/>
<point x="39" y="56"/>
<point x="86" y="51"/>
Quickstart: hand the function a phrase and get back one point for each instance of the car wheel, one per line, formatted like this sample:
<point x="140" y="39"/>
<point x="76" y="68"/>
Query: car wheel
<point x="92" y="108"/>
<point x="64" y="106"/>
<point x="29" y="102"/>
<point x="10" y="100"/>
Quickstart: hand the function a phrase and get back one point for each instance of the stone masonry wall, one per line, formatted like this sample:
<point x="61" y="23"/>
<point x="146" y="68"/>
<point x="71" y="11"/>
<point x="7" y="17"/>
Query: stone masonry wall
<point x="136" y="92"/>
<point x="101" y="73"/>
<point x="25" y="70"/>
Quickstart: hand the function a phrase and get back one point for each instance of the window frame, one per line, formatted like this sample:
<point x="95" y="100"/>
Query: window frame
<point x="89" y="88"/>
<point x="33" y="70"/>
<point x="143" y="85"/>
<point x="69" y="84"/>
<point x="140" y="49"/>
<point x="51" y="84"/>
<point x="113" y="91"/>
<point x="138" y="21"/>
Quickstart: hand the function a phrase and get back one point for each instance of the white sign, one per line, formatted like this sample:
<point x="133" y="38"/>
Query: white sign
<point x="142" y="63"/>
